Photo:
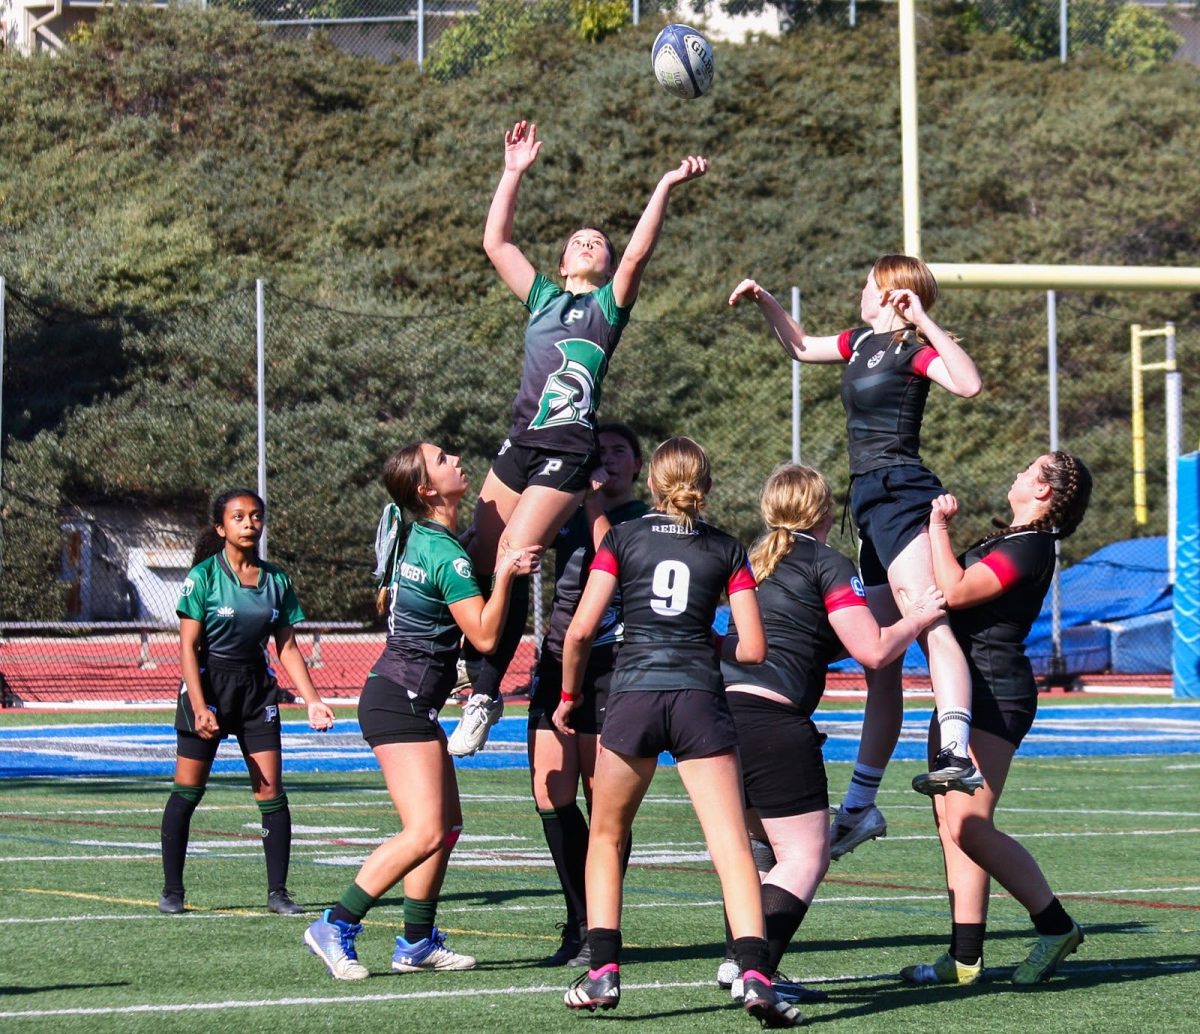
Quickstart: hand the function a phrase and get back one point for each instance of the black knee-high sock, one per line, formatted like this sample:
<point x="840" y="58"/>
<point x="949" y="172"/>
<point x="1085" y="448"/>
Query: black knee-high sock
<point x="276" y="839"/>
<point x="566" y="833"/>
<point x="494" y="666"/>
<point x="176" y="826"/>
<point x="783" y="913"/>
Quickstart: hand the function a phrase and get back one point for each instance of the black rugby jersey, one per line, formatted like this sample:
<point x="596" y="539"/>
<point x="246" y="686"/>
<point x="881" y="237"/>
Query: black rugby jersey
<point x="992" y="635"/>
<point x="796" y="599"/>
<point x="573" y="554"/>
<point x="671" y="580"/>
<point x="884" y="388"/>
<point x="568" y="341"/>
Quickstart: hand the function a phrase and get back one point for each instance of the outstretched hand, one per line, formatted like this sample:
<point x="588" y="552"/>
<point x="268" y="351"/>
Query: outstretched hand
<point x="746" y="289"/>
<point x="943" y="509"/>
<point x="521" y="146"/>
<point x="692" y="167"/>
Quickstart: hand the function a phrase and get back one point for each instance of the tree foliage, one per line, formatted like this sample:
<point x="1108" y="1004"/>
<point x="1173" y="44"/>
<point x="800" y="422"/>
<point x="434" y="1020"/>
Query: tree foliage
<point x="168" y="158"/>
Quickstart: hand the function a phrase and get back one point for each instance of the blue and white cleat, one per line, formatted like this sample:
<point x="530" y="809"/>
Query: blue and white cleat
<point x="430" y="954"/>
<point x="332" y="941"/>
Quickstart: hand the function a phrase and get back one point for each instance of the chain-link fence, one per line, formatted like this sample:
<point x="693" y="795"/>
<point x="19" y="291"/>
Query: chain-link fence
<point x="452" y="38"/>
<point x="117" y="433"/>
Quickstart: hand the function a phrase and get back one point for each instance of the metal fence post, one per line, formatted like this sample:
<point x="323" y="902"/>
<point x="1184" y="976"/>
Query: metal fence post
<point x="3" y="324"/>
<point x="1056" y="657"/>
<point x="796" y="384"/>
<point x="637" y="12"/>
<point x="421" y="35"/>
<point x="1063" y="6"/>
<point x="260" y="327"/>
<point x="1174" y="401"/>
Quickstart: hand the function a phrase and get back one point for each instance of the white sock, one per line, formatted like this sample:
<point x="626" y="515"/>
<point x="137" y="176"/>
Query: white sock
<point x="954" y="726"/>
<point x="864" y="787"/>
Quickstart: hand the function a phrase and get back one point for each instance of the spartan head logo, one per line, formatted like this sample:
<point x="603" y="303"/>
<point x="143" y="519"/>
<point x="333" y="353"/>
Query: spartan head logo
<point x="572" y="392"/>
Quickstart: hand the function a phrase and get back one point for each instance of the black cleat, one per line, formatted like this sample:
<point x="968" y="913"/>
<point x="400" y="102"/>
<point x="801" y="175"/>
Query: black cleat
<point x="760" y="1001"/>
<point x="573" y="942"/>
<point x="171" y="903"/>
<point x="280" y="902"/>
<point x="595" y="990"/>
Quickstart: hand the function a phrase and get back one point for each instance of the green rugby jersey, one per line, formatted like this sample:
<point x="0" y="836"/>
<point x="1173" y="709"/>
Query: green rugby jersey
<point x="568" y="341"/>
<point x="237" y="621"/>
<point x="433" y="572"/>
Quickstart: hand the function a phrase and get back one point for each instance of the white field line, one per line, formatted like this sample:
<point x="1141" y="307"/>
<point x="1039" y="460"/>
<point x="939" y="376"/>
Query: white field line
<point x="515" y="858"/>
<point x="485" y="992"/>
<point x="474" y="910"/>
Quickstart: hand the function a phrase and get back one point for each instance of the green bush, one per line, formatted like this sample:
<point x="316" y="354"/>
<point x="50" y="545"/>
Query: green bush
<point x="595" y="19"/>
<point x="1141" y="39"/>
<point x="482" y="39"/>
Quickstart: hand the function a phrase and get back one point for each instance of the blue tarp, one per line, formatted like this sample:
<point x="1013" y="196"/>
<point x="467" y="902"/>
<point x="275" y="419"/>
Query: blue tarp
<point x="1120" y="581"/>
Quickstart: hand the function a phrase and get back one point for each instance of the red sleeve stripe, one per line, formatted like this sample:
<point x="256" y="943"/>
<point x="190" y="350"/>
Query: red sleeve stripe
<point x="844" y="596"/>
<point x="1004" y="569"/>
<point x="740" y="580"/>
<point x="922" y="360"/>
<point x="605" y="561"/>
<point x="844" y="345"/>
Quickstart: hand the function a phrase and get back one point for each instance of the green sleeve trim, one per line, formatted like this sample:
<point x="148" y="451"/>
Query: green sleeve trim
<point x="542" y="291"/>
<point x="617" y="315"/>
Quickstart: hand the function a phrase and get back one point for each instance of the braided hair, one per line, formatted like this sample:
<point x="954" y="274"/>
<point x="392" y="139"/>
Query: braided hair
<point x="1070" y="484"/>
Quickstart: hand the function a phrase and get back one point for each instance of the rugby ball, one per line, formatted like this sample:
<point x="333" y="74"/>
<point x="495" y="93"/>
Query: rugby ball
<point x="683" y="61"/>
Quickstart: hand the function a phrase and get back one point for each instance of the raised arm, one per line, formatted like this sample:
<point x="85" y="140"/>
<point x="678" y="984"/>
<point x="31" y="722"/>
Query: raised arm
<point x="953" y="369"/>
<point x="628" y="278"/>
<point x="521" y="147"/>
<point x="790" y="335"/>
<point x="963" y="588"/>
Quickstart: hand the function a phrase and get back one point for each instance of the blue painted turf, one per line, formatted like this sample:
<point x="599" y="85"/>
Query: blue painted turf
<point x="96" y="749"/>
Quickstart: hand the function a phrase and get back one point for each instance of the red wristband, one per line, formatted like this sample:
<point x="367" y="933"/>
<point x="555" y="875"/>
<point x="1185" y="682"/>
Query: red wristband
<point x="568" y="698"/>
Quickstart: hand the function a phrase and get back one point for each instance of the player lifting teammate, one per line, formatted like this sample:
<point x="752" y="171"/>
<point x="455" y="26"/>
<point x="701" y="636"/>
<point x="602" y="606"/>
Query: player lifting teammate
<point x="890" y="363"/>
<point x="813" y="609"/>
<point x="232" y="603"/>
<point x="541" y="472"/>
<point x="671" y="569"/>
<point x="995" y="591"/>
<point x="432" y="600"/>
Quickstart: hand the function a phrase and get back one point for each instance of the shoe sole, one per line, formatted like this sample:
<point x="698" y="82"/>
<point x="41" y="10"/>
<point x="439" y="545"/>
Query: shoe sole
<point x="934" y="788"/>
<point x="1053" y="968"/>
<point x="592" y="1004"/>
<point x="849" y="843"/>
<point x="310" y="944"/>
<point x="453" y="967"/>
<point x="769" y="1016"/>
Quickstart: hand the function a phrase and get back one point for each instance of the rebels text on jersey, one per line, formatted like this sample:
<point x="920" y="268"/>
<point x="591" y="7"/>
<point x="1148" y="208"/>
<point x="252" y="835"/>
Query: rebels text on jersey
<point x="796" y="599"/>
<point x="884" y="388"/>
<point x="568" y="341"/>
<point x="671" y="580"/>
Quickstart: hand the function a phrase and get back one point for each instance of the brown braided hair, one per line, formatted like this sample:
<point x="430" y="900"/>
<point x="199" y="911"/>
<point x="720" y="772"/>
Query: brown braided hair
<point x="1070" y="484"/>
